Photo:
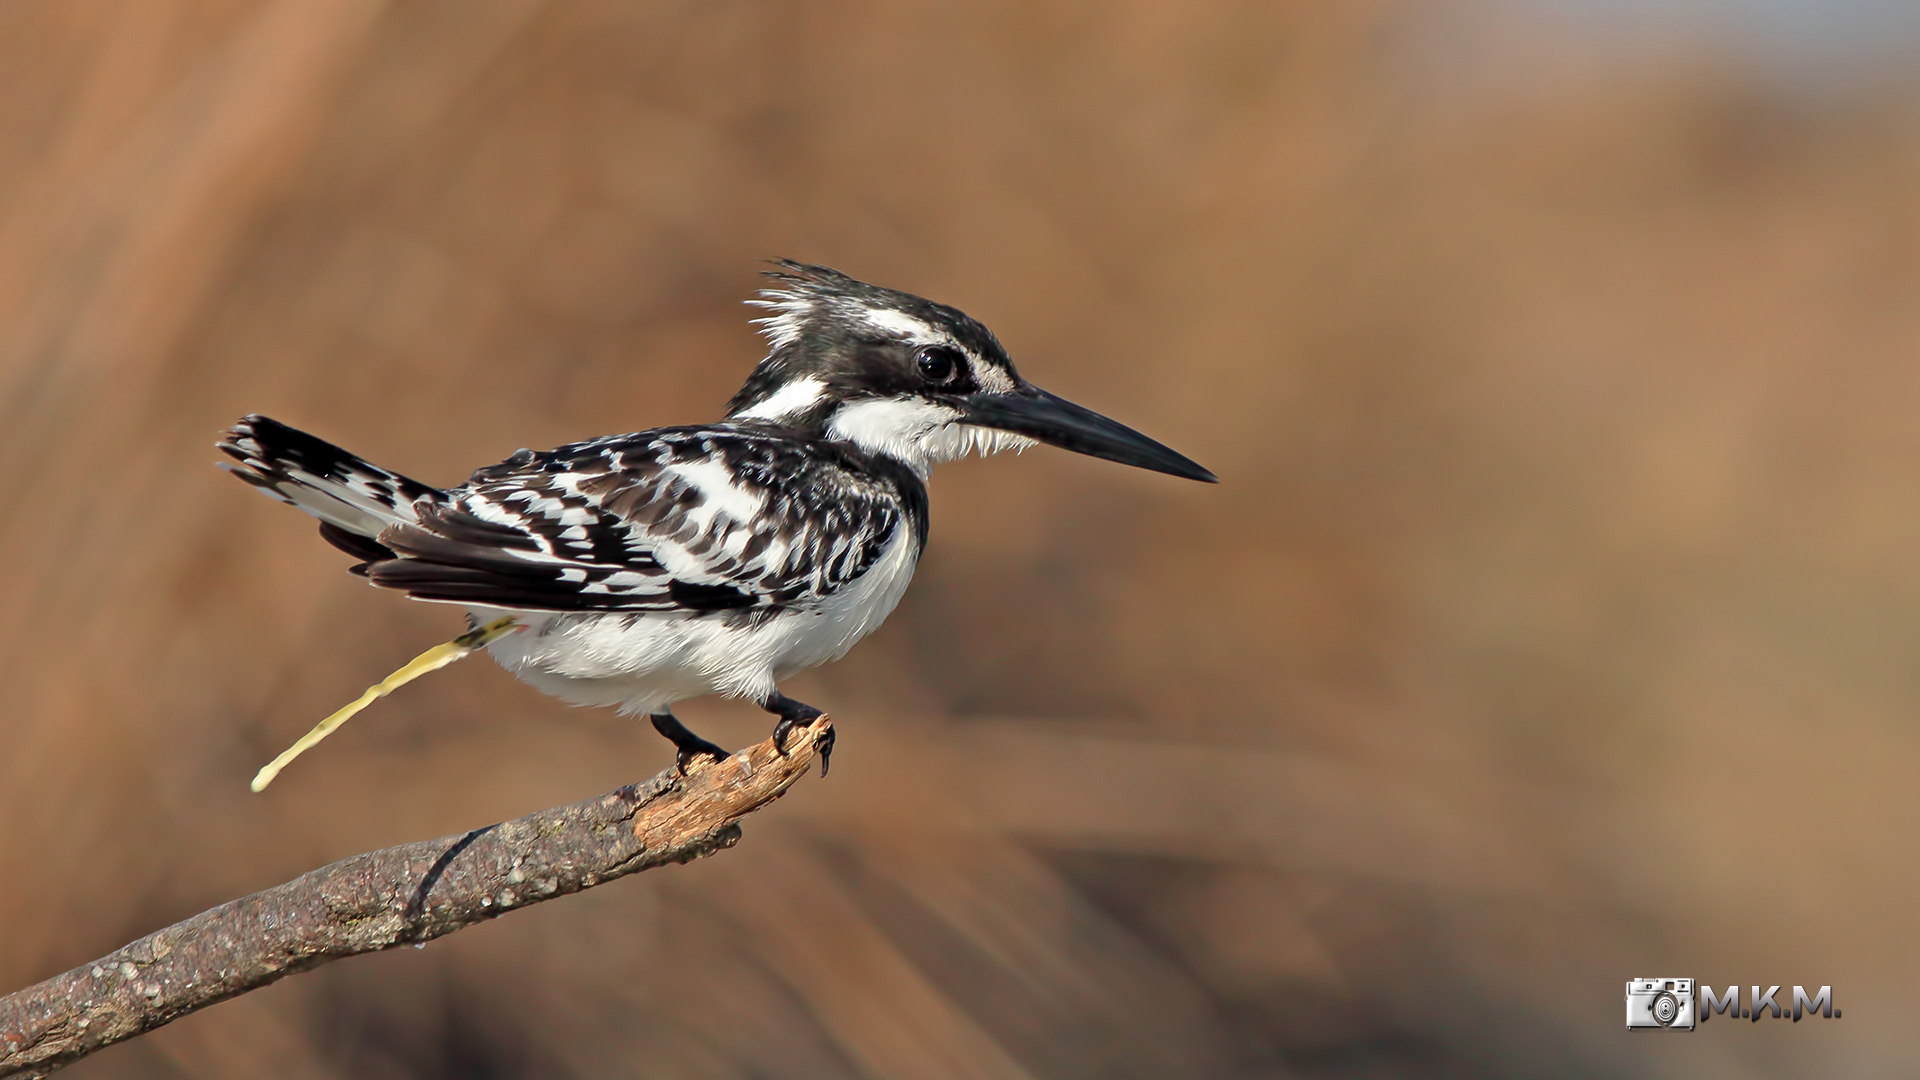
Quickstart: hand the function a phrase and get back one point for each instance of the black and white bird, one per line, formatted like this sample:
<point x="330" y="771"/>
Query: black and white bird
<point x="639" y="570"/>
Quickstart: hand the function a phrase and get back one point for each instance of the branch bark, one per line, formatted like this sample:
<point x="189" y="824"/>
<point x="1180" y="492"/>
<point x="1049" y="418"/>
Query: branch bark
<point x="402" y="895"/>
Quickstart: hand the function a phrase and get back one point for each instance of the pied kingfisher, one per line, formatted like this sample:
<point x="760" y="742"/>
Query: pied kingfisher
<point x="639" y="570"/>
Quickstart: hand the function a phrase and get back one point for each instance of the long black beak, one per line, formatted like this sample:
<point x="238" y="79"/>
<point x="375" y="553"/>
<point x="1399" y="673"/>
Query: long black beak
<point x="1033" y="412"/>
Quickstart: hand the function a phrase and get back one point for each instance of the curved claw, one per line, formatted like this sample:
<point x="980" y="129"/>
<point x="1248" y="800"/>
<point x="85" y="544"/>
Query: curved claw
<point x="794" y="714"/>
<point x="783" y="731"/>
<point x="826" y="749"/>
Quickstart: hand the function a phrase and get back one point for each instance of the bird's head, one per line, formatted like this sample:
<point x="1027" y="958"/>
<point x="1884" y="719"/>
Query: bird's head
<point x="913" y="380"/>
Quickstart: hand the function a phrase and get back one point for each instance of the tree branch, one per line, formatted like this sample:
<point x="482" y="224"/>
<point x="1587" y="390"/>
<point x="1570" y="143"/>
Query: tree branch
<point x="402" y="895"/>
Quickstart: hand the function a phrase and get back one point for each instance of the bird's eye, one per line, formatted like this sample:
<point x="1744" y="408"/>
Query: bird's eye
<point x="938" y="363"/>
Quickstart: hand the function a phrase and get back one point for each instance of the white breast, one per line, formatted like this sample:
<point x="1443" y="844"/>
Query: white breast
<point x="645" y="661"/>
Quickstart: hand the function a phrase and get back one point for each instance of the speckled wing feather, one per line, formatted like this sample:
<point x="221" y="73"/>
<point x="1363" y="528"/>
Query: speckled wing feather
<point x="722" y="518"/>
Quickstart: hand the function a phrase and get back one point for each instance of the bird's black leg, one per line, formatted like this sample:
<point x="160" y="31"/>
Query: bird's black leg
<point x="794" y="714"/>
<point x="685" y="742"/>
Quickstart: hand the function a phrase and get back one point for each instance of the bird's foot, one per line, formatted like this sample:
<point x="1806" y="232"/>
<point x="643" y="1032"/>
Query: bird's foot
<point x="687" y="746"/>
<point x="795" y="714"/>
<point x="784" y="730"/>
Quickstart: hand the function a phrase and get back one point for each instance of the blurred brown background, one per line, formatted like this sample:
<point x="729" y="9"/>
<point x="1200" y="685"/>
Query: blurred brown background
<point x="1557" y="620"/>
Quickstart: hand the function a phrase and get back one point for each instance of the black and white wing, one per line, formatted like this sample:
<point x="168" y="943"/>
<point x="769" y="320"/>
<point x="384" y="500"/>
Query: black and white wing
<point x="354" y="499"/>
<point x="723" y="518"/>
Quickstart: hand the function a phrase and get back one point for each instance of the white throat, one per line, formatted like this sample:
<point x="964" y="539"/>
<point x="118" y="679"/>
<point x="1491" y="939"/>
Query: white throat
<point x="919" y="433"/>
